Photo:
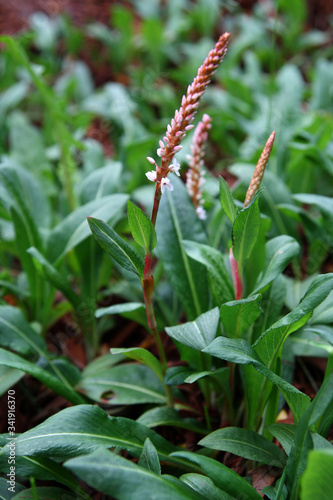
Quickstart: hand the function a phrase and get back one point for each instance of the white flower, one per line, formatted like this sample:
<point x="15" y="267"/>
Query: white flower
<point x="166" y="184"/>
<point x="201" y="213"/>
<point x="175" y="167"/>
<point x="151" y="175"/>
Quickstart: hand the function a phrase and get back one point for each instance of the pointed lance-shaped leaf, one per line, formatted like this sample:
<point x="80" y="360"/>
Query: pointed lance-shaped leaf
<point x="116" y="247"/>
<point x="142" y="228"/>
<point x="227" y="201"/>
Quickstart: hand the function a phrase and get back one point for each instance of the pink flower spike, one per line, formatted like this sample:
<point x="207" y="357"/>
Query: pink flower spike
<point x="151" y="175"/>
<point x="166" y="184"/>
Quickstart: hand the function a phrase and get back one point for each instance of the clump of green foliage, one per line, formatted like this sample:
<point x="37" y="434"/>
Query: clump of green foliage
<point x="202" y="265"/>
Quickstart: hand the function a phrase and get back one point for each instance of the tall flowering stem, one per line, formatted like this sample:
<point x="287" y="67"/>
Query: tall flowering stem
<point x="195" y="174"/>
<point x="181" y="123"/>
<point x="237" y="275"/>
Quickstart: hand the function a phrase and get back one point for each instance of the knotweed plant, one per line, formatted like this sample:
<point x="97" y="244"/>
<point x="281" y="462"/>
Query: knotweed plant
<point x="181" y="123"/>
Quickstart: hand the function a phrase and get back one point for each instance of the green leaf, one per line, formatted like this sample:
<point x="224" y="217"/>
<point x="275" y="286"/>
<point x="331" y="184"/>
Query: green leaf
<point x="237" y="316"/>
<point x="49" y="272"/>
<point x="82" y="429"/>
<point x="273" y="299"/>
<point x="99" y="365"/>
<point x="279" y="252"/>
<point x="271" y="493"/>
<point x="18" y="198"/>
<point x="323" y="314"/>
<point x="319" y="442"/>
<point x="24" y="239"/>
<point x="8" y="378"/>
<point x="317" y="480"/>
<point x="134" y="311"/>
<point x="305" y="342"/>
<point x="111" y="473"/>
<point x="269" y="345"/>
<point x="324" y="203"/>
<point x="255" y="263"/>
<point x="42" y="468"/>
<point x="119" y="309"/>
<point x="21" y="135"/>
<point x="240" y="351"/>
<point x="14" y="289"/>
<point x="245" y="443"/>
<point x="163" y="415"/>
<point x="149" y="458"/>
<point x="205" y="486"/>
<point x="101" y="182"/>
<point x="224" y="371"/>
<point x="324" y="331"/>
<point x="227" y="201"/>
<point x="219" y="279"/>
<point x="321" y="97"/>
<point x="284" y="433"/>
<point x="143" y="356"/>
<point x="303" y="442"/>
<point x="61" y="387"/>
<point x="124" y="384"/>
<point x="197" y="334"/>
<point x="74" y="228"/>
<point x="176" y="375"/>
<point x="177" y="220"/>
<point x="245" y="231"/>
<point x="223" y="477"/>
<point x="5" y="494"/>
<point x="45" y="493"/>
<point x="142" y="229"/>
<point x="12" y="96"/>
<point x="17" y="334"/>
<point x="25" y="193"/>
<point x="116" y="247"/>
<point x="64" y="369"/>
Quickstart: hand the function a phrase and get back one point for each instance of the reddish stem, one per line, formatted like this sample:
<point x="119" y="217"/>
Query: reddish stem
<point x="148" y="287"/>
<point x="236" y="278"/>
<point x="157" y="199"/>
<point x="147" y="269"/>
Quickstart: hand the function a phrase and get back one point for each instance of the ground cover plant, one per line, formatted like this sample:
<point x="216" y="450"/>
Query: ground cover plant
<point x="154" y="304"/>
